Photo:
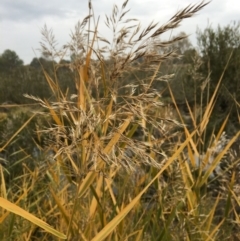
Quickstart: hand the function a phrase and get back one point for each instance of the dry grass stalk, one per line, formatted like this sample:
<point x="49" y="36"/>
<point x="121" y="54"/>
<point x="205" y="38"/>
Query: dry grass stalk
<point x="94" y="135"/>
<point x="127" y="46"/>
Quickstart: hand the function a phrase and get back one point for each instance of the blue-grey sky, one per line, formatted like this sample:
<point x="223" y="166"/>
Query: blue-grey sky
<point x="21" y="21"/>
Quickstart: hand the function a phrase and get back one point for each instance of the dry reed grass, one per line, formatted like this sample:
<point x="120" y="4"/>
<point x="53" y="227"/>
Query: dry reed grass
<point x="97" y="146"/>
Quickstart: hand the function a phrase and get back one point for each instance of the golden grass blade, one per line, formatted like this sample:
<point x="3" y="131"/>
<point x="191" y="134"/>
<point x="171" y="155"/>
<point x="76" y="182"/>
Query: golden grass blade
<point x="17" y="132"/>
<point x="138" y="232"/>
<point x="168" y="222"/>
<point x="193" y="114"/>
<point x="222" y="127"/>
<point x="210" y="105"/>
<point x="81" y="94"/>
<point x="186" y="177"/>
<point x="73" y="164"/>
<point x="117" y="135"/>
<point x="107" y="114"/>
<point x="21" y="212"/>
<point x="51" y="83"/>
<point x="3" y="192"/>
<point x="210" y="237"/>
<point x="112" y="194"/>
<point x="217" y="160"/>
<point x="206" y="159"/>
<point x="83" y="76"/>
<point x="180" y="116"/>
<point x="98" y="192"/>
<point x="4" y="216"/>
<point x="235" y="197"/>
<point x="228" y="205"/>
<point x="60" y="206"/>
<point x="103" y="75"/>
<point x="139" y="236"/>
<point x="191" y="156"/>
<point x="88" y="57"/>
<point x="114" y="222"/>
<point x="54" y="114"/>
<point x="192" y="201"/>
<point x="154" y="75"/>
<point x="207" y="223"/>
<point x="88" y="180"/>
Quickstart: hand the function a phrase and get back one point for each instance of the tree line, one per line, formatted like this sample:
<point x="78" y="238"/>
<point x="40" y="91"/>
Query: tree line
<point x="196" y="73"/>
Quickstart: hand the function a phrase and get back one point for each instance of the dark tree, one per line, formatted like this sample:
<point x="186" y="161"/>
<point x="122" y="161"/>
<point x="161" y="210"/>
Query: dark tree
<point x="216" y="46"/>
<point x="9" y="60"/>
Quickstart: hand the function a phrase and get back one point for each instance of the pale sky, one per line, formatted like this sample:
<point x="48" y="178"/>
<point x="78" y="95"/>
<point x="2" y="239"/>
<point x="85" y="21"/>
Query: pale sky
<point x="21" y="21"/>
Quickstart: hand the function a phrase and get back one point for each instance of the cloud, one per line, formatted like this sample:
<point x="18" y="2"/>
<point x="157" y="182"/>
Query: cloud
<point x="22" y="20"/>
<point x="28" y="10"/>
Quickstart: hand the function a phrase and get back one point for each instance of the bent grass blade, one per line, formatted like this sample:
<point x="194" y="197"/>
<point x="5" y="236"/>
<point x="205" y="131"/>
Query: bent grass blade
<point x="115" y="221"/>
<point x="21" y="212"/>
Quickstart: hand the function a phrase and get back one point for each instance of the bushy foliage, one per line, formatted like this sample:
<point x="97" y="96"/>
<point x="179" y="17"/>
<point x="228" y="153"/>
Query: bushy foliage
<point x="26" y="147"/>
<point x="217" y="46"/>
<point x="9" y="60"/>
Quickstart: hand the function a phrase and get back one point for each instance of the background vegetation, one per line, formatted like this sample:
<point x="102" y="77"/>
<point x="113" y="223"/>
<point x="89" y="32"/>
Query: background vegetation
<point x="207" y="60"/>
